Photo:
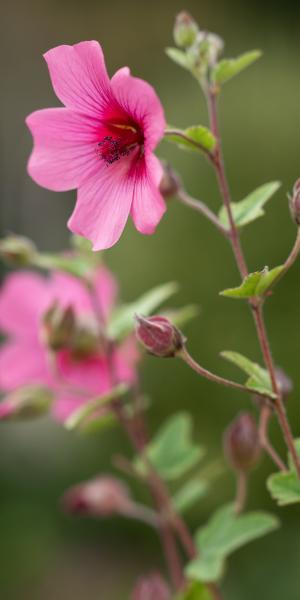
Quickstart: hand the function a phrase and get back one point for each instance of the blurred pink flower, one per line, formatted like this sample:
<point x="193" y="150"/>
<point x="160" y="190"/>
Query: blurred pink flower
<point x="25" y="357"/>
<point x="101" y="142"/>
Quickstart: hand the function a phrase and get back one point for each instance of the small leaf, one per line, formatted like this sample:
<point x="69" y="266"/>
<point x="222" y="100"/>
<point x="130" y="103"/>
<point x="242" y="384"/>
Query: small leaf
<point x="284" y="488"/>
<point x="172" y="451"/>
<point x="198" y="136"/>
<point x="251" y="207"/>
<point x="122" y="319"/>
<point x="190" y="493"/>
<point x="196" y="591"/>
<point x="82" y="414"/>
<point x="229" y="67"/>
<point x="259" y="379"/>
<point x="255" y="284"/>
<point x="206" y="568"/>
<point x="224" y="533"/>
<point x="179" y="57"/>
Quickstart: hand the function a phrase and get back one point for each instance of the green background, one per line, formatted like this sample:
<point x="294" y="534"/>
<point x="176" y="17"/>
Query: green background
<point x="45" y="555"/>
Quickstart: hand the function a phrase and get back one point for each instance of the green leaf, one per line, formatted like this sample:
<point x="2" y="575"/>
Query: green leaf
<point x="284" y="488"/>
<point x="229" y="67"/>
<point x="259" y="379"/>
<point x="122" y="319"/>
<point x="255" y="284"/>
<point x="179" y="57"/>
<point x="225" y="533"/>
<point x="190" y="493"/>
<point x="290" y="459"/>
<point x="196" y="591"/>
<point x="82" y="414"/>
<point x="77" y="265"/>
<point x="181" y="316"/>
<point x="251" y="207"/>
<point x="198" y="136"/>
<point x="172" y="451"/>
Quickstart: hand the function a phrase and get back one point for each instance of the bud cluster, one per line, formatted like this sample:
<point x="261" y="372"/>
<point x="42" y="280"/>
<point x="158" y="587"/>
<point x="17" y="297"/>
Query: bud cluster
<point x="202" y="47"/>
<point x="62" y="330"/>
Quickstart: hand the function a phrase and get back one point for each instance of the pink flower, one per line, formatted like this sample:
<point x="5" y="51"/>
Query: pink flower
<point x="101" y="142"/>
<point x="25" y="357"/>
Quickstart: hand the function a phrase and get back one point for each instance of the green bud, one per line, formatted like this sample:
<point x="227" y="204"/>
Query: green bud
<point x="185" y="30"/>
<point x="59" y="325"/>
<point x="27" y="402"/>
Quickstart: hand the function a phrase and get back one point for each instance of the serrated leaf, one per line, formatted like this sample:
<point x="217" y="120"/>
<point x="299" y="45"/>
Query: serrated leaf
<point x="255" y="284"/>
<point x="122" y="319"/>
<point x="179" y="57"/>
<point x="224" y="533"/>
<point x="259" y="378"/>
<point x="196" y="591"/>
<point x="80" y="417"/>
<point x="172" y="451"/>
<point x="198" y="136"/>
<point x="229" y="67"/>
<point x="251" y="207"/>
<point x="284" y="488"/>
<point x="190" y="493"/>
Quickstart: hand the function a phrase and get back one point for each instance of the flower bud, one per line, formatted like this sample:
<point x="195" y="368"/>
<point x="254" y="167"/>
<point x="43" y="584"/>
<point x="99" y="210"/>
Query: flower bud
<point x="158" y="336"/>
<point x="99" y="497"/>
<point x="241" y="443"/>
<point x="28" y="402"/>
<point x="284" y="382"/>
<point x="152" y="587"/>
<point x="59" y="326"/>
<point x="294" y="202"/>
<point x="17" y="250"/>
<point x="170" y="182"/>
<point x="185" y="30"/>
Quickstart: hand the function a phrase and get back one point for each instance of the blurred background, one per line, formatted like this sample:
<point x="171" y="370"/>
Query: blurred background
<point x="45" y="555"/>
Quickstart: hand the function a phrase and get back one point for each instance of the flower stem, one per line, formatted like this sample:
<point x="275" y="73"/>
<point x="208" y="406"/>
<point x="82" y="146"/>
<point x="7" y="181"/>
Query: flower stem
<point x="203" y="209"/>
<point x="241" y="491"/>
<point x="241" y="263"/>
<point x="189" y="360"/>
<point x="265" y="415"/>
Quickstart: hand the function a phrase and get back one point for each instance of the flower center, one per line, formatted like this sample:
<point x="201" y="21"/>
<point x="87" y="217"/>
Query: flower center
<point x="120" y="141"/>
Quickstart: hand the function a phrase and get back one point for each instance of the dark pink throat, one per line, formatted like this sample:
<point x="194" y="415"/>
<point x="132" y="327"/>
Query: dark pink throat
<point x="120" y="141"/>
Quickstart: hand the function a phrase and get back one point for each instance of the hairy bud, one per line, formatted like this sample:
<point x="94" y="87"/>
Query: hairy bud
<point x="17" y="250"/>
<point x="158" y="336"/>
<point x="152" y="587"/>
<point x="284" y="382"/>
<point x="294" y="201"/>
<point x="241" y="443"/>
<point x="99" y="497"/>
<point x="170" y="182"/>
<point x="185" y="30"/>
<point x="28" y="402"/>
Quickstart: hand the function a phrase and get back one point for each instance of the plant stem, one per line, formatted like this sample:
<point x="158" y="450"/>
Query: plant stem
<point x="189" y="360"/>
<point x="265" y="415"/>
<point x="241" y="263"/>
<point x="203" y="209"/>
<point x="241" y="491"/>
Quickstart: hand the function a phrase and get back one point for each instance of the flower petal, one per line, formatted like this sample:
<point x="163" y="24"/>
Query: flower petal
<point x="140" y="101"/>
<point x="22" y="364"/>
<point x="103" y="204"/>
<point x="23" y="298"/>
<point x="79" y="77"/>
<point x="148" y="205"/>
<point x="65" y="145"/>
